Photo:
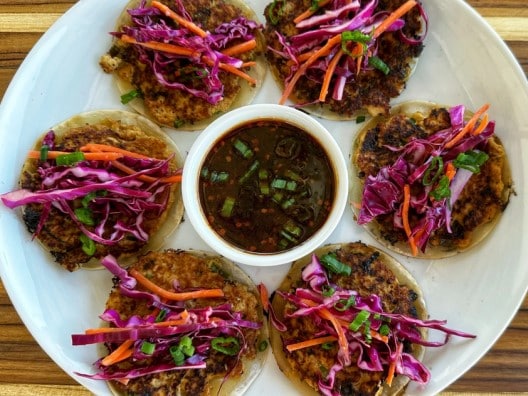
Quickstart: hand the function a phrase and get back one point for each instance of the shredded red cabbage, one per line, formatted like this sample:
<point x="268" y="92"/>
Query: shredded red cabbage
<point x="200" y="325"/>
<point x="374" y="354"/>
<point x="383" y="192"/>
<point x="106" y="189"/>
<point x="150" y="24"/>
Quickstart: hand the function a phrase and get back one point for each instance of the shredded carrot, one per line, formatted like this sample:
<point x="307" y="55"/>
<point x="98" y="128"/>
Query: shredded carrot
<point x="450" y="171"/>
<point x="231" y="69"/>
<point x="35" y="154"/>
<point x="102" y="330"/>
<point x="309" y="12"/>
<point x="240" y="48"/>
<point x="249" y="64"/>
<point x="179" y="19"/>
<point x="378" y="336"/>
<point x="96" y="148"/>
<point x="398" y="13"/>
<point x="121" y="353"/>
<point x="469" y="126"/>
<point x="405" y="218"/>
<point x="392" y="366"/>
<point x="328" y="75"/>
<point x="323" y="51"/>
<point x="174" y="296"/>
<point x="264" y="296"/>
<point x="483" y="123"/>
<point x="310" y="343"/>
<point x="146" y="178"/>
<point x="156" y="45"/>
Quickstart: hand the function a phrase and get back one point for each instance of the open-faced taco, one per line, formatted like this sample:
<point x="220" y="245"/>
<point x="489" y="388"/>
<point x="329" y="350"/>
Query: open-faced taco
<point x="341" y="60"/>
<point x="101" y="182"/>
<point x="180" y="323"/>
<point x="183" y="63"/>
<point x="430" y="180"/>
<point x="349" y="319"/>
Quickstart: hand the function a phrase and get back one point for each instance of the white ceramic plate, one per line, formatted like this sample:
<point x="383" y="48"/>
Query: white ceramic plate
<point x="464" y="61"/>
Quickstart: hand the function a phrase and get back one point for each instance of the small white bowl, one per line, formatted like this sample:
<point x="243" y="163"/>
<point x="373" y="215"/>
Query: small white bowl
<point x="215" y="132"/>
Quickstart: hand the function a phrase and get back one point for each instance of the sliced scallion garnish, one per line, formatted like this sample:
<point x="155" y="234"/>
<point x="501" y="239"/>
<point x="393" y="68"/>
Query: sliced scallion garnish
<point x="70" y="158"/>
<point x="226" y="345"/>
<point x="377" y="63"/>
<point x="360" y="319"/>
<point x="331" y="263"/>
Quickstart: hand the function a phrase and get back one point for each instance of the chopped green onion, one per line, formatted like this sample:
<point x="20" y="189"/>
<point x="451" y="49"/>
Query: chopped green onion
<point x="243" y="148"/>
<point x="291" y="185"/>
<point x="44" y="152"/>
<point x="471" y="160"/>
<point x="262" y="346"/>
<point x="331" y="263"/>
<point x="360" y="119"/>
<point x="360" y="318"/>
<point x="289" y="237"/>
<point x="436" y="166"/>
<point x="88" y="245"/>
<point x="70" y="158"/>
<point x="377" y="63"/>
<point x="263" y="174"/>
<point x="177" y="355"/>
<point x="277" y="197"/>
<point x="129" y="96"/>
<point x="384" y="330"/>
<point x="219" y="177"/>
<point x="366" y="331"/>
<point x="292" y="228"/>
<point x="186" y="346"/>
<point x="327" y="345"/>
<point x="204" y="173"/>
<point x="161" y="315"/>
<point x="442" y="190"/>
<point x="293" y="175"/>
<point x="354" y="36"/>
<point x="279" y="184"/>
<point x="252" y="169"/>
<point x="226" y="345"/>
<point x="148" y="347"/>
<point x="264" y="187"/>
<point x="328" y="291"/>
<point x="343" y="305"/>
<point x="178" y="123"/>
<point x="84" y="215"/>
<point x="227" y="207"/>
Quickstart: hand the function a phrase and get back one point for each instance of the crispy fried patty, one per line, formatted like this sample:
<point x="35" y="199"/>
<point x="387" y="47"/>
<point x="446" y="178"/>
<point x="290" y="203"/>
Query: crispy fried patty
<point x="481" y="200"/>
<point x="60" y="235"/>
<point x="173" y="107"/>
<point x="190" y="271"/>
<point x="370" y="275"/>
<point x="370" y="90"/>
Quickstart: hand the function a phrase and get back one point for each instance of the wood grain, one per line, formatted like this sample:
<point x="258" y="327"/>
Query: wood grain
<point x="24" y="367"/>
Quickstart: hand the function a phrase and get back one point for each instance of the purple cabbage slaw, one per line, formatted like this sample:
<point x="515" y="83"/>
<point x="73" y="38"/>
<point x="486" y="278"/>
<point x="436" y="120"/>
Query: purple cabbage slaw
<point x="374" y="352"/>
<point x="150" y="24"/>
<point x="201" y="325"/>
<point x="341" y="17"/>
<point x="104" y="191"/>
<point x="383" y="192"/>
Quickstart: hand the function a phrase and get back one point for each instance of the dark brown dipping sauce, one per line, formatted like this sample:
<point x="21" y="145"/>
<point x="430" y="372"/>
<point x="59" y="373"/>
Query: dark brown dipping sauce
<point x="267" y="186"/>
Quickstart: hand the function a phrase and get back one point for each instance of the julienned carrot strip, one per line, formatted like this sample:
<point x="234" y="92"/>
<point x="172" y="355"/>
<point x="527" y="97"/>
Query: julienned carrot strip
<point x="174" y="296"/>
<point x="450" y="171"/>
<point x="231" y="69"/>
<point x="264" y="296"/>
<point x="165" y="47"/>
<point x="392" y="365"/>
<point x="483" y="123"/>
<point x="310" y="343"/>
<point x="396" y="14"/>
<point x="240" y="48"/>
<point x="468" y="127"/>
<point x="100" y="330"/>
<point x="323" y="51"/>
<point x="179" y="19"/>
<point x="309" y="12"/>
<point x="405" y="218"/>
<point x="95" y="147"/>
<point x="121" y="353"/>
<point x="146" y="178"/>
<point x="328" y="75"/>
<point x="35" y="154"/>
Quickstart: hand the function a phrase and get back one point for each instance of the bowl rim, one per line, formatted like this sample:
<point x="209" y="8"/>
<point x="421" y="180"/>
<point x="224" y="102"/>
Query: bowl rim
<point x="219" y="128"/>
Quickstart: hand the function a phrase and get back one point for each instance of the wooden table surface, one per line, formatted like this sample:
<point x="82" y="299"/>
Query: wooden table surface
<point x="26" y="370"/>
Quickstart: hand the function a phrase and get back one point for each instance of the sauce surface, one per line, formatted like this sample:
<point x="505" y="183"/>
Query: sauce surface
<point x="267" y="186"/>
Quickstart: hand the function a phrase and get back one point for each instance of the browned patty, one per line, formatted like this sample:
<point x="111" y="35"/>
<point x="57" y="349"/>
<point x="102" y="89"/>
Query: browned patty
<point x="174" y="107"/>
<point x="481" y="200"/>
<point x="60" y="235"/>
<point x="370" y="275"/>
<point x="191" y="271"/>
<point x="370" y="90"/>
